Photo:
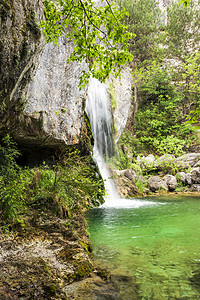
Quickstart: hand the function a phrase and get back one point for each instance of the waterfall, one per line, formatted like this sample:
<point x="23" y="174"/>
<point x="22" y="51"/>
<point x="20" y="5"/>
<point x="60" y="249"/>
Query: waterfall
<point x="98" y="110"/>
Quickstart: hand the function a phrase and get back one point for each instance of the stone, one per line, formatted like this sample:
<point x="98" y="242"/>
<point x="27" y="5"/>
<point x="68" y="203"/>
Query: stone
<point x="130" y="174"/>
<point x="188" y="178"/>
<point x="171" y="182"/>
<point x="147" y="161"/>
<point x="41" y="103"/>
<point x="188" y="160"/>
<point x="126" y="187"/>
<point x="164" y="161"/>
<point x="197" y="164"/>
<point x="195" y="188"/>
<point x="195" y="175"/>
<point x="156" y="183"/>
<point x="121" y="93"/>
<point x="181" y="177"/>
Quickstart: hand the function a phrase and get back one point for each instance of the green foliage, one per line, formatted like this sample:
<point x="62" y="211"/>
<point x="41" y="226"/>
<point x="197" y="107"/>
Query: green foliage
<point x="182" y="31"/>
<point x="73" y="183"/>
<point x="136" y="167"/>
<point x="160" y="126"/>
<point x="120" y="161"/>
<point x="144" y="20"/>
<point x="98" y="36"/>
<point x="112" y="97"/>
<point x="186" y="3"/>
<point x="141" y="186"/>
<point x="171" y="144"/>
<point x="13" y="180"/>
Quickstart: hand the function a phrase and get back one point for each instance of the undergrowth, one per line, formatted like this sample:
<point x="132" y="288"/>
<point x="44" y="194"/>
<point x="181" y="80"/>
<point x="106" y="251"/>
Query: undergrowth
<point x="71" y="184"/>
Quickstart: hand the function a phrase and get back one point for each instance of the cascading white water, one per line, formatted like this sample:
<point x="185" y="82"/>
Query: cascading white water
<point x="98" y="110"/>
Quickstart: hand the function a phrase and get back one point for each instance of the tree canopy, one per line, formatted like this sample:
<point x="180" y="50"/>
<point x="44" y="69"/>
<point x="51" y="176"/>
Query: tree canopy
<point x="96" y="30"/>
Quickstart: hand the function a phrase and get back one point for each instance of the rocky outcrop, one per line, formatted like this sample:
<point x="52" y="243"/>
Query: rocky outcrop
<point x="50" y="258"/>
<point x="156" y="183"/>
<point x="160" y="175"/>
<point x="40" y="100"/>
<point x="195" y="175"/>
<point x="121" y="92"/>
<point x="41" y="103"/>
<point x="188" y="160"/>
<point x="171" y="182"/>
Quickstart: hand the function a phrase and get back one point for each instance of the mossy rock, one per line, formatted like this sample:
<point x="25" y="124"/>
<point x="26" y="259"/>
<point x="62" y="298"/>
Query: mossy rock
<point x="83" y="269"/>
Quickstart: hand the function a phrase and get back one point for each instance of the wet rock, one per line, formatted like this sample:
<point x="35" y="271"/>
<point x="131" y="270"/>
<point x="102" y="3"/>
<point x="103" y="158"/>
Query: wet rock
<point x="92" y="288"/>
<point x="126" y="187"/>
<point x="121" y="93"/>
<point x="156" y="183"/>
<point x="171" y="182"/>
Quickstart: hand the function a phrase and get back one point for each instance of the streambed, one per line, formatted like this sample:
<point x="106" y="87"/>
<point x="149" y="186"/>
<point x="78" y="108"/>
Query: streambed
<point x="153" y="245"/>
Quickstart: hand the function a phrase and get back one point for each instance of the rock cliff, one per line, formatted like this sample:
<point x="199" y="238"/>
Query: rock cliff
<point x="40" y="100"/>
<point x="41" y="103"/>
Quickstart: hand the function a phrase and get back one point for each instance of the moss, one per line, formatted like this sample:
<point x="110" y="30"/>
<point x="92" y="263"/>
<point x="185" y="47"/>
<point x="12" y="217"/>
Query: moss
<point x="87" y="247"/>
<point x="25" y="50"/>
<point x="103" y="274"/>
<point x="33" y="27"/>
<point x="89" y="133"/>
<point x="50" y="290"/>
<point x="83" y="269"/>
<point x="112" y="97"/>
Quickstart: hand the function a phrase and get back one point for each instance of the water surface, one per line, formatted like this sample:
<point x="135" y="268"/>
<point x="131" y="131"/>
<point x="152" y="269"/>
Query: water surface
<point x="155" y="242"/>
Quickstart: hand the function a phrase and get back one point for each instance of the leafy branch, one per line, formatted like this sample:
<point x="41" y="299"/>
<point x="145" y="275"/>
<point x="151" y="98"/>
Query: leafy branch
<point x="97" y="33"/>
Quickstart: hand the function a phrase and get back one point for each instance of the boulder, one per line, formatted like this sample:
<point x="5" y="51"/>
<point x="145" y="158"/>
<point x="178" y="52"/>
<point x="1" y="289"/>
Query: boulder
<point x="147" y="161"/>
<point x="126" y="187"/>
<point x="157" y="183"/>
<point x="195" y="188"/>
<point x="188" y="160"/>
<point x="130" y="174"/>
<point x="181" y="177"/>
<point x="164" y="161"/>
<point x="188" y="179"/>
<point x="195" y="175"/>
<point x="171" y="182"/>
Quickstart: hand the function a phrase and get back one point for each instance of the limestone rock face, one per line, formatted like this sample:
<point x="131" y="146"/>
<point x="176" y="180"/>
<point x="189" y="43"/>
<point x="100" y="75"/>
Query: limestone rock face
<point x="54" y="97"/>
<point x="120" y="90"/>
<point x="39" y="96"/>
<point x="156" y="183"/>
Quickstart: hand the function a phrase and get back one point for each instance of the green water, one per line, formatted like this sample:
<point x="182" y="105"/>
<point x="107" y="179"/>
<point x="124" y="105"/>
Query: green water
<point x="157" y="246"/>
